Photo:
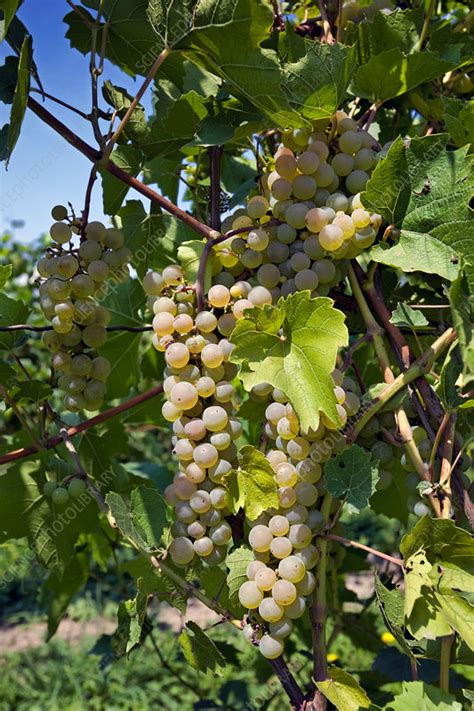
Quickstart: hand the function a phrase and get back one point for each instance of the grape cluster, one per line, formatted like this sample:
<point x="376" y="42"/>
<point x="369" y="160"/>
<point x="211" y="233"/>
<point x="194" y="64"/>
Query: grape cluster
<point x="200" y="404"/>
<point x="310" y="220"/>
<point x="282" y="539"/>
<point x="60" y="494"/>
<point x="73" y="279"/>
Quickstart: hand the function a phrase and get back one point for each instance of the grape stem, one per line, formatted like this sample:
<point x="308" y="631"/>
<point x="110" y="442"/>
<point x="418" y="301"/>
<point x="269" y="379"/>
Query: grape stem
<point x="85" y="425"/>
<point x="215" y="154"/>
<point x="446" y="468"/>
<point x="96" y="157"/>
<point x="368" y="549"/>
<point x="146" y="83"/>
<point x="328" y="36"/>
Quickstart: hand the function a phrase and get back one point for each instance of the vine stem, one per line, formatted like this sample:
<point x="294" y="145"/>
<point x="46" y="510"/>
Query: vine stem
<point x="445" y="659"/>
<point x="426" y="25"/>
<point x="148" y="79"/>
<point x="215" y="154"/>
<point x="80" y="471"/>
<point x="328" y="36"/>
<point x="446" y="468"/>
<point x="96" y="157"/>
<point x="85" y="425"/>
<point x="368" y="549"/>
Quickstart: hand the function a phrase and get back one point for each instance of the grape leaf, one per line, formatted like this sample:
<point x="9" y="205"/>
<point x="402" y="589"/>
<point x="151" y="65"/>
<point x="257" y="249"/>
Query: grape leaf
<point x="199" y="650"/>
<point x="119" y="98"/>
<point x="122" y="515"/>
<point x="189" y="255"/>
<point x="237" y="563"/>
<point x="392" y="607"/>
<point x="342" y="690"/>
<point x="352" y="475"/>
<point x="461" y="310"/>
<point x="5" y="274"/>
<point x="416" y="187"/>
<point x="114" y="190"/>
<point x="407" y="317"/>
<point x="419" y="695"/>
<point x="20" y="97"/>
<point x="252" y="486"/>
<point x="154" y="239"/>
<point x="175" y="125"/>
<point x="458" y="118"/>
<point x="148" y="511"/>
<point x="11" y="312"/>
<point x="8" y="9"/>
<point x="392" y="501"/>
<point x="8" y="79"/>
<point x="59" y="589"/>
<point x="293" y="346"/>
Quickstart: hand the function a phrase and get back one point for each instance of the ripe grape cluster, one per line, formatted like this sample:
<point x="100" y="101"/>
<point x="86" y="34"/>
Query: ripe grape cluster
<point x="200" y="404"/>
<point x="310" y="219"/>
<point x="282" y="538"/>
<point x="73" y="278"/>
<point x="297" y="234"/>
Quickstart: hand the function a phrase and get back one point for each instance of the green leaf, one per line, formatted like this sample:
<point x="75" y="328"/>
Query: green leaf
<point x="407" y="317"/>
<point x="458" y="118"/>
<point x="125" y="302"/>
<point x="174" y="125"/>
<point x="34" y="390"/>
<point x="461" y="309"/>
<point x="119" y="98"/>
<point x="448" y="378"/>
<point x="148" y="511"/>
<point x="123" y="517"/>
<point x="419" y="695"/>
<point x="316" y="84"/>
<point x="5" y="274"/>
<point x="393" y="73"/>
<point x="189" y="255"/>
<point x="131" y="616"/>
<point x="443" y="540"/>
<point x="458" y="613"/>
<point x="8" y="79"/>
<point x="252" y="486"/>
<point x="237" y="563"/>
<point x="352" y="475"/>
<point x="392" y="607"/>
<point x="11" y="312"/>
<point x="293" y="346"/>
<point x="8" y="8"/>
<point x="392" y="501"/>
<point x="154" y="239"/>
<point x="20" y="96"/>
<point x="343" y="691"/>
<point x="114" y="190"/>
<point x="59" y="589"/>
<point x="199" y="650"/>
<point x="425" y="191"/>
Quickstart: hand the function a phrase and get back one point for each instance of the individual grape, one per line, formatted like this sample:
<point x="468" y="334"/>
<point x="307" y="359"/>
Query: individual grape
<point x="60" y="232"/>
<point x="281" y="629"/>
<point x="285" y="165"/>
<point x="60" y="496"/>
<point x="268" y="275"/>
<point x="304" y="186"/>
<point x="281" y="189"/>
<point x="95" y="231"/>
<point x="342" y="164"/>
<point x="299" y="262"/>
<point x="250" y="596"/>
<point x="296" y="609"/>
<point x="164" y="303"/>
<point x="325" y="270"/>
<point x="316" y="219"/>
<point x="82" y="365"/>
<point x="177" y="355"/>
<point x="295" y="215"/>
<point x="279" y="525"/>
<point x="67" y="266"/>
<point x="257" y="207"/>
<point x="98" y="270"/>
<point x="94" y="336"/>
<point x="259" y="296"/>
<point x="253" y="567"/>
<point x="183" y="324"/>
<point x="364" y="159"/>
<point x="76" y="488"/>
<point x="265" y="578"/>
<point x="172" y="275"/>
<point x="218" y="497"/>
<point x="269" y="610"/>
<point x="215" y="418"/>
<point x="350" y="142"/>
<point x="300" y="535"/>
<point x="308" y="555"/>
<point x="181" y="550"/>
<point x="260" y="538"/>
<point x="324" y="175"/>
<point x="258" y="240"/>
<point x="184" y="395"/>
<point x="306" y="585"/>
<point x="292" y="569"/>
<point x="205" y="455"/>
<point x="270" y="647"/>
<point x="170" y="412"/>
<point x="331" y="237"/>
<point x="284" y="592"/>
<point x="286" y="474"/>
<point x="50" y="486"/>
<point x="286" y="496"/>
<point x="308" y="162"/>
<point x="338" y="202"/>
<point x="212" y="355"/>
<point x="356" y="181"/>
<point x="281" y="547"/>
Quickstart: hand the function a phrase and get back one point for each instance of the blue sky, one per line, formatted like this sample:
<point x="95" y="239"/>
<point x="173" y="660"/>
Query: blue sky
<point x="44" y="169"/>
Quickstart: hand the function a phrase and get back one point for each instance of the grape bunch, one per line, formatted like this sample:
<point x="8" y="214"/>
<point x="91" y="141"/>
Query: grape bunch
<point x="280" y="577"/>
<point x="60" y="494"/>
<point x="73" y="278"/>
<point x="200" y="404"/>
<point x="310" y="219"/>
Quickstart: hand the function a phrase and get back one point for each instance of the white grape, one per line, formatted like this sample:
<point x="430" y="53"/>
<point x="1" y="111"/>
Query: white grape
<point x="250" y="596"/>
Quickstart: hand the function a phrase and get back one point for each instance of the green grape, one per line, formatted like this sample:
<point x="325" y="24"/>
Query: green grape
<point x="76" y="488"/>
<point x="67" y="266"/>
<point x="342" y="164"/>
<point x="296" y="609"/>
<point x="250" y="596"/>
<point x="60" y="232"/>
<point x="50" y="487"/>
<point x="285" y="165"/>
<point x="153" y="284"/>
<point x="256" y="240"/>
<point x="291" y="569"/>
<point x="177" y="355"/>
<point x="82" y="286"/>
<point x="206" y="455"/>
<point x="257" y="207"/>
<point x="364" y="159"/>
<point x="331" y="237"/>
<point x="325" y="270"/>
<point x="281" y="189"/>
<point x="308" y="162"/>
<point x="350" y="142"/>
<point x="260" y="538"/>
<point x="304" y="186"/>
<point x="81" y="365"/>
<point x="94" y="336"/>
<point x="324" y="175"/>
<point x="300" y="535"/>
<point x="113" y="238"/>
<point x="282" y="628"/>
<point x="270" y="647"/>
<point x="265" y="578"/>
<point x="59" y="212"/>
<point x="95" y="231"/>
<point x="281" y="547"/>
<point x="60" y="496"/>
<point x="269" y="610"/>
<point x="356" y="181"/>
<point x="284" y="592"/>
<point x="181" y="550"/>
<point x="98" y="270"/>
